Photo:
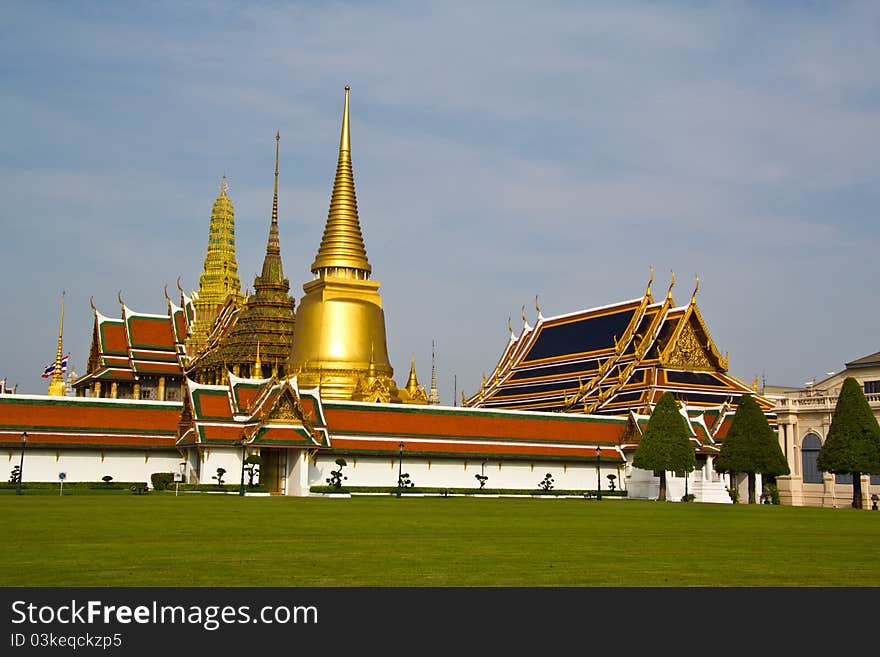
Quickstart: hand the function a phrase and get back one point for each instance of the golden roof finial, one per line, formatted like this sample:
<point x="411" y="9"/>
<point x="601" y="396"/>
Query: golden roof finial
<point x="509" y="325"/>
<point x="343" y="244"/>
<point x="274" y="246"/>
<point x="537" y="307"/>
<point x="671" y="285"/>
<point x="650" y="282"/>
<point x="523" y="313"/>
<point x="56" y="385"/>
<point x="413" y="383"/>
<point x="696" y="289"/>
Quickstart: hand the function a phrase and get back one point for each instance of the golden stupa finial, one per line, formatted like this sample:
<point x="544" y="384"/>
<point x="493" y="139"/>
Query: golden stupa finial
<point x="224" y="186"/>
<point x="755" y="384"/>
<point x="56" y="385"/>
<point x="696" y="289"/>
<point x="258" y="364"/>
<point x="274" y="245"/>
<point x="342" y="245"/>
<point x="413" y="383"/>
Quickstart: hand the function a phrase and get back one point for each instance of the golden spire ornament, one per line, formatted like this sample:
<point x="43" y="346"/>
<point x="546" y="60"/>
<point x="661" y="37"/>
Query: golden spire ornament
<point x="342" y="246"/>
<point x="56" y="385"/>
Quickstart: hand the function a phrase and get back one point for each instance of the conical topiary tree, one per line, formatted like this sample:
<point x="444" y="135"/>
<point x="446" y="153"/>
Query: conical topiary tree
<point x="751" y="446"/>
<point x="853" y="442"/>
<point x="666" y="443"/>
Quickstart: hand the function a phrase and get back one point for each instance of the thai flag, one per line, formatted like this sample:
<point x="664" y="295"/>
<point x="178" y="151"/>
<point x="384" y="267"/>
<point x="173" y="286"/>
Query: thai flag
<point x="49" y="370"/>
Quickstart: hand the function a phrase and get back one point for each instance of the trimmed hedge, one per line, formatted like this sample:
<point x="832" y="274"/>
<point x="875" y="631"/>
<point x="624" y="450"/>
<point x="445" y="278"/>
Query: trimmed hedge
<point x="86" y="485"/>
<point x="392" y="490"/>
<point x="161" y="480"/>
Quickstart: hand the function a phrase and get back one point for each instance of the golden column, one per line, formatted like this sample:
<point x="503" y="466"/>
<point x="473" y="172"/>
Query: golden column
<point x="56" y="385"/>
<point x="340" y="324"/>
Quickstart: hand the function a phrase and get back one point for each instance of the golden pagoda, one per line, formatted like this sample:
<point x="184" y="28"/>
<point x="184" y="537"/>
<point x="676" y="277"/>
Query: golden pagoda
<point x="258" y="344"/>
<point x="340" y="343"/>
<point x="220" y="279"/>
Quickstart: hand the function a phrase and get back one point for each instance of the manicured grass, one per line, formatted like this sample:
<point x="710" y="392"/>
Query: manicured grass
<point x="225" y="540"/>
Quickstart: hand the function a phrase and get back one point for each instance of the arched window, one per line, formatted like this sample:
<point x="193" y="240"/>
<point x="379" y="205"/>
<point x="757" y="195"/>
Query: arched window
<point x="809" y="454"/>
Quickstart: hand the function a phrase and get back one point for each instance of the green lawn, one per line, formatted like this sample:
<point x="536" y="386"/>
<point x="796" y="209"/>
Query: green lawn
<point x="225" y="540"/>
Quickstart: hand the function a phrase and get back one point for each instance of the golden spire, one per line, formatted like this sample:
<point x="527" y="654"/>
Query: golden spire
<point x="413" y="382"/>
<point x="274" y="245"/>
<point x="342" y="245"/>
<point x="56" y="385"/>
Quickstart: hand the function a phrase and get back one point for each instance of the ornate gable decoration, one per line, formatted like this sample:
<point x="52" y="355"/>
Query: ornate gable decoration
<point x="691" y="347"/>
<point x="288" y="409"/>
<point x="688" y="353"/>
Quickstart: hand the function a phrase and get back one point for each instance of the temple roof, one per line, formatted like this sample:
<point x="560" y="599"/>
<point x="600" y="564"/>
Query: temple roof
<point x="612" y="359"/>
<point x="87" y="422"/>
<point x="136" y="344"/>
<point x="270" y="412"/>
<point x="438" y="431"/>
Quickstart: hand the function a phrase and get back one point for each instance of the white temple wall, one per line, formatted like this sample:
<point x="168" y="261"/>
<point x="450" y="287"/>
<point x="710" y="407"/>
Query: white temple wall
<point x="460" y="473"/>
<point x="91" y="465"/>
<point x="228" y="459"/>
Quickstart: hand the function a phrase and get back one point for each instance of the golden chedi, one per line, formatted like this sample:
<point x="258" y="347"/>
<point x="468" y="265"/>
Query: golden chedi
<point x="220" y="279"/>
<point x="339" y="344"/>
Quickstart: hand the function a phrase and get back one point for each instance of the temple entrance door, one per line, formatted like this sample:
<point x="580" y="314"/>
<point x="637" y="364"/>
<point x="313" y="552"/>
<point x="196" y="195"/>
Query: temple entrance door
<point x="270" y="469"/>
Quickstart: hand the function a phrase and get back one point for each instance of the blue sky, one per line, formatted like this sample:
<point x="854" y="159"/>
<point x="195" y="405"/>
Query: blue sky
<point x="501" y="151"/>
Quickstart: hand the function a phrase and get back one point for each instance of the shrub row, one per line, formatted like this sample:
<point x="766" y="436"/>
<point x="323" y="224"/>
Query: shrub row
<point x="90" y="485"/>
<point x="392" y="490"/>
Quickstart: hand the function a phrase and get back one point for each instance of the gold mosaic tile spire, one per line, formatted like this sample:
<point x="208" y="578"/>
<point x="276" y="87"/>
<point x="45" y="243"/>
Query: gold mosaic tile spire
<point x="342" y="246"/>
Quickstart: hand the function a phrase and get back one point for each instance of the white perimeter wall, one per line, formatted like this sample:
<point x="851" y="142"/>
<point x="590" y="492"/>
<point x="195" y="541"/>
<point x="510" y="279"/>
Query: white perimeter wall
<point x="90" y="465"/>
<point x="452" y="473"/>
